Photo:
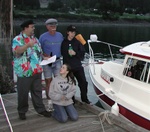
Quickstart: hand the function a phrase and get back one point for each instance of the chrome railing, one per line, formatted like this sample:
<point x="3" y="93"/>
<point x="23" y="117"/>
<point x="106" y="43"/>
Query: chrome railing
<point x="91" y="52"/>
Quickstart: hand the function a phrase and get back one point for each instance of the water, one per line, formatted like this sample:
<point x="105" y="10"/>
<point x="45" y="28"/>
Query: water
<point x="119" y="34"/>
<point x="91" y="93"/>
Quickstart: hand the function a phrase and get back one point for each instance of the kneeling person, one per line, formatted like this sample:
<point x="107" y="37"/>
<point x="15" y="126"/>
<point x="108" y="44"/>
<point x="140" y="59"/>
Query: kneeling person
<point x="62" y="89"/>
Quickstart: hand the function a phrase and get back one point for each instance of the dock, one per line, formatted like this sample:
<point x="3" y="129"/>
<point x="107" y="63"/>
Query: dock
<point x="91" y="119"/>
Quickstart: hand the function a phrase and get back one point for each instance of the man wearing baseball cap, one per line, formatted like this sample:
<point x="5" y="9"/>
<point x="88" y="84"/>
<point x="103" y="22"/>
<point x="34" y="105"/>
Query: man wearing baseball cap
<point x="51" y="44"/>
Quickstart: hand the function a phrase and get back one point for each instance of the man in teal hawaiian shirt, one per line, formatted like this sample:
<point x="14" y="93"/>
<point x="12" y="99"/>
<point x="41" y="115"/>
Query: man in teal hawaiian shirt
<point x="27" y="57"/>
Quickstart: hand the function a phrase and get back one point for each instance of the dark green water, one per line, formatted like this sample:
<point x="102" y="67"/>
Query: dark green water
<point x="119" y="34"/>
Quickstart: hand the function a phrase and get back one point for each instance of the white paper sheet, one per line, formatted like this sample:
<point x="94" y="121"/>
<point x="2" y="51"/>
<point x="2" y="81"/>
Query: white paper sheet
<point x="48" y="61"/>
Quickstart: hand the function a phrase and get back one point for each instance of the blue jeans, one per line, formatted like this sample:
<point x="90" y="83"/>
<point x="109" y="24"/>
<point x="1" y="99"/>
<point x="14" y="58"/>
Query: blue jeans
<point x="61" y="113"/>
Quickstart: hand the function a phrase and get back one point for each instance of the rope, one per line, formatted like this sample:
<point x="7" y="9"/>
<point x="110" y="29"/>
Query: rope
<point x="105" y="115"/>
<point x="3" y="106"/>
<point x="102" y="117"/>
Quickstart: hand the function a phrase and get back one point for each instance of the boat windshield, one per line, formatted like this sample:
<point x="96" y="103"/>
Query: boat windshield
<point x="137" y="69"/>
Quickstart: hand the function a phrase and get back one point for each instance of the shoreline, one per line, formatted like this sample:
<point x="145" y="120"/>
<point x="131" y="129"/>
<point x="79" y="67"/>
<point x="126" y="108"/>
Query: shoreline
<point x="101" y="22"/>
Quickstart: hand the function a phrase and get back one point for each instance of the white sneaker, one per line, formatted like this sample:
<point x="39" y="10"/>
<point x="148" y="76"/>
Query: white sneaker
<point x="50" y="105"/>
<point x="43" y="94"/>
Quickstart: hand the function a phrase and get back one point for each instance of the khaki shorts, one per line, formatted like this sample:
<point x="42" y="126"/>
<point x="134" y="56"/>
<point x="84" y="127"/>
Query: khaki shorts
<point x="53" y="70"/>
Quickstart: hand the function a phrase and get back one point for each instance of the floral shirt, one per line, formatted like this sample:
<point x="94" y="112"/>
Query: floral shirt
<point x="27" y="63"/>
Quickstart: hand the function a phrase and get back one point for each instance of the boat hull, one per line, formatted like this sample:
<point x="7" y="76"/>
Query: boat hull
<point x="107" y="104"/>
<point x="125" y="83"/>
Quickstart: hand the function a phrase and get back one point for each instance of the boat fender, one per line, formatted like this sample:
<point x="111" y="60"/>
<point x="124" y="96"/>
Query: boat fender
<point x="115" y="109"/>
<point x="93" y="37"/>
<point x="111" y="79"/>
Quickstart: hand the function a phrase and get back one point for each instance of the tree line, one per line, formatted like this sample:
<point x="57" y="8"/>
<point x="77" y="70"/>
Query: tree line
<point x="100" y="6"/>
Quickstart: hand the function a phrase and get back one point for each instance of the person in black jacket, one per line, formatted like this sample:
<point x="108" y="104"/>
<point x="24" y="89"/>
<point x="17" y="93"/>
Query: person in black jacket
<point x="73" y="53"/>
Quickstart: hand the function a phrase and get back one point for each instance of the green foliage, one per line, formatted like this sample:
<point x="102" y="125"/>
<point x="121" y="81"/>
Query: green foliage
<point x="6" y="72"/>
<point x="140" y="6"/>
<point x="26" y="4"/>
<point x="55" y="5"/>
<point x="6" y="84"/>
<point x="133" y="17"/>
<point x="83" y="10"/>
<point x="110" y="16"/>
<point x="78" y="16"/>
<point x="47" y="13"/>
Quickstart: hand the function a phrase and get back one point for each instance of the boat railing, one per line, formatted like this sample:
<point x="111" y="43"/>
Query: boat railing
<point x="91" y="52"/>
<point x="91" y="55"/>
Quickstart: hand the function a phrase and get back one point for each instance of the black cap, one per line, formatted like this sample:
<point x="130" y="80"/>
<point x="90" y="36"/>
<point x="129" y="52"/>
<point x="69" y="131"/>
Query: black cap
<point x="71" y="28"/>
<point x="26" y="23"/>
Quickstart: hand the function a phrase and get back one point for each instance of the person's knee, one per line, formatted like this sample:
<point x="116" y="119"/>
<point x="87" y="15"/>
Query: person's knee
<point x="74" y="118"/>
<point x="63" y="120"/>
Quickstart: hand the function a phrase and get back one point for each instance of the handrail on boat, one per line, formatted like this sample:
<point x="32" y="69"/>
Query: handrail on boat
<point x="106" y="43"/>
<point x="91" y="53"/>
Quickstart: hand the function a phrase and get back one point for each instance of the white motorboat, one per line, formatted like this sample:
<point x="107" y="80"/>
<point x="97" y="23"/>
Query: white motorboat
<point x="125" y="84"/>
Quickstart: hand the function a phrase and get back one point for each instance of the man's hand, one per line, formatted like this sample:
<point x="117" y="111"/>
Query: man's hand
<point x="31" y="43"/>
<point x="45" y="56"/>
<point x="21" y="49"/>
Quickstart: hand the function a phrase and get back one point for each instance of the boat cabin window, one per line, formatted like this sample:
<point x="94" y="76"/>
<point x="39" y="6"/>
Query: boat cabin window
<point x="137" y="69"/>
